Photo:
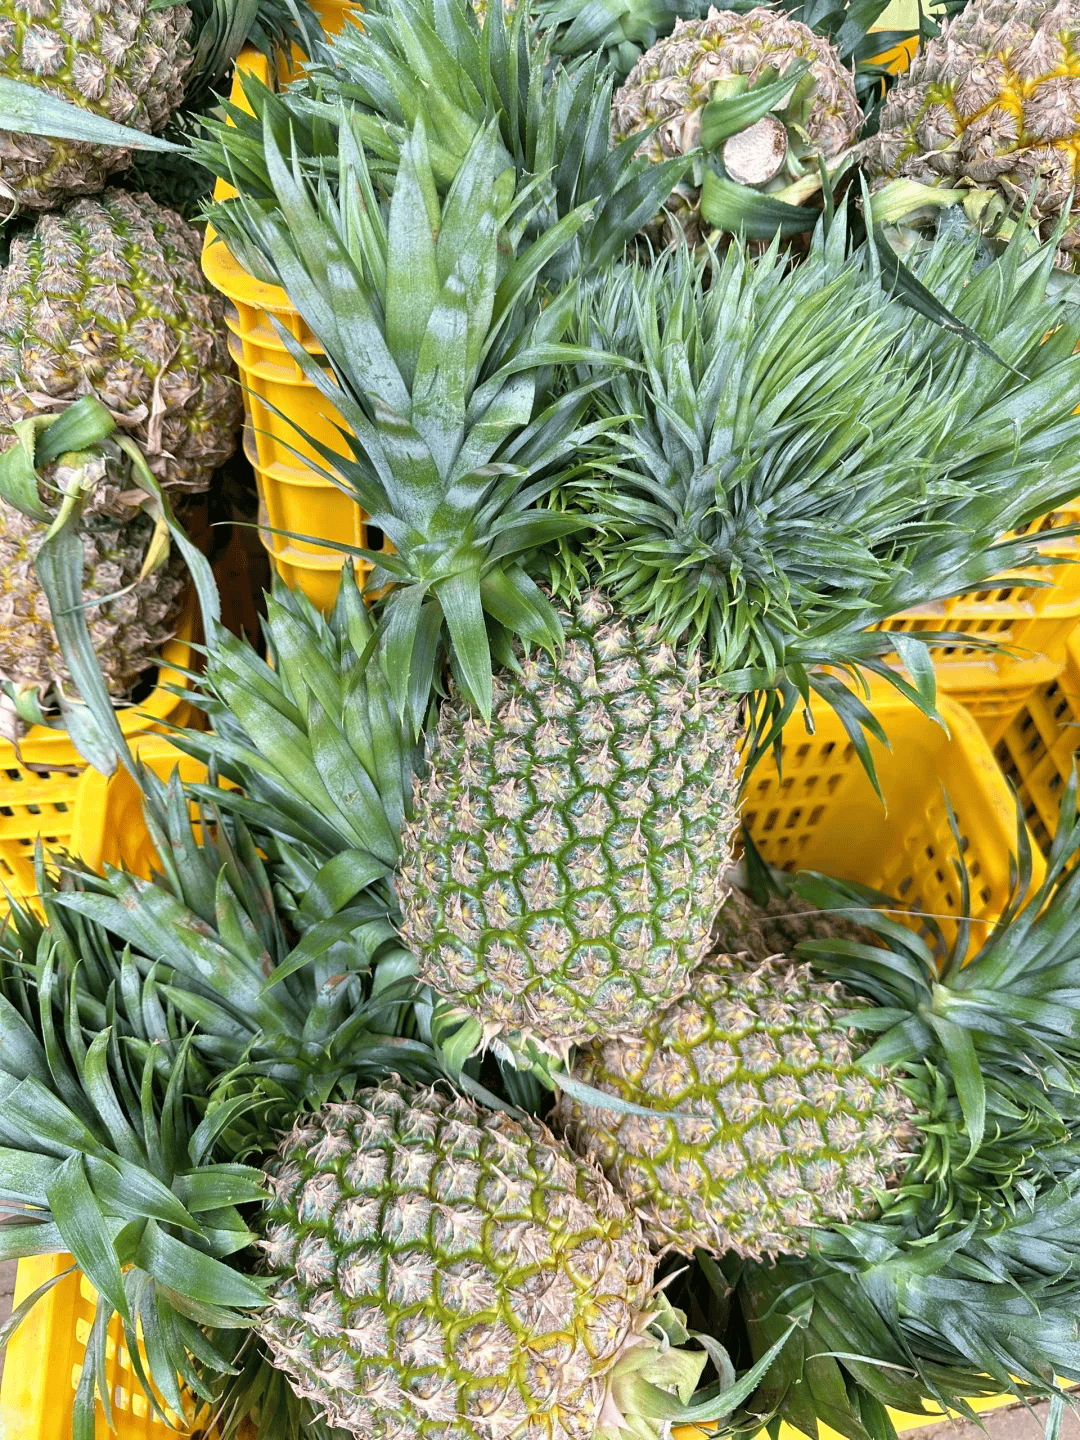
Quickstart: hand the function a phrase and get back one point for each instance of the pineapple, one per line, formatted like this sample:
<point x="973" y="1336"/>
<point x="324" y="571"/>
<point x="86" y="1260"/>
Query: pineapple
<point x="124" y="59"/>
<point x="988" y="113"/>
<point x="106" y="298"/>
<point x="439" y="1270"/>
<point x="135" y="63"/>
<point x="69" y="470"/>
<point x="721" y="57"/>
<point x="130" y="615"/>
<point x="785" y="1132"/>
<point x="564" y="862"/>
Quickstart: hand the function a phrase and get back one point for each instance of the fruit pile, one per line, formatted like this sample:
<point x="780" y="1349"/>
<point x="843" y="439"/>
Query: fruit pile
<point x="461" y="1071"/>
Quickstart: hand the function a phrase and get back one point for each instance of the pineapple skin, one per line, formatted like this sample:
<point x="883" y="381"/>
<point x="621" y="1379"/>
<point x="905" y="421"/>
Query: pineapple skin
<point x="673" y="80"/>
<point x="444" y="1271"/>
<point x="786" y="1132"/>
<point x="564" y="865"/>
<point x="122" y="59"/>
<point x="107" y="298"/>
<point x="744" y="927"/>
<point x="127" y="631"/>
<point x="992" y="101"/>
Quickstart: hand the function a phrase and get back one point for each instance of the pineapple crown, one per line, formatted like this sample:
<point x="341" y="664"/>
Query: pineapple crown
<point x="793" y="456"/>
<point x="440" y="355"/>
<point x="299" y="734"/>
<point x="419" y="61"/>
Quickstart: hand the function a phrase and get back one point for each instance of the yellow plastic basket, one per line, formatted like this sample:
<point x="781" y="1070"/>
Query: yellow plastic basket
<point x="39" y="780"/>
<point x="1030" y="622"/>
<point x="819" y="811"/>
<point x="1037" y="747"/>
<point x="294" y="499"/>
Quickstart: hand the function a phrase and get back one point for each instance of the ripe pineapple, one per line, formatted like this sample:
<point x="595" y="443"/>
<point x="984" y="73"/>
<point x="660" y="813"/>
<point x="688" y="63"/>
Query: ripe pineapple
<point x="785" y="1132"/>
<point x="990" y="105"/>
<point x="127" y="630"/>
<point x="564" y="863"/>
<point x="721" y="57"/>
<point x="79" y="474"/>
<point x="442" y="1270"/>
<point x="123" y="59"/>
<point x="107" y="298"/>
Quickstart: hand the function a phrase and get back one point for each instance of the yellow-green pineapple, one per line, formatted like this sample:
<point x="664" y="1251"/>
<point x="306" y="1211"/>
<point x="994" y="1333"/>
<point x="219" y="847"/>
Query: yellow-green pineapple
<point x="722" y="55"/>
<point x="107" y="298"/>
<point x="990" y="108"/>
<point x="125" y="60"/>
<point x="784" y="1131"/>
<point x="564" y="862"/>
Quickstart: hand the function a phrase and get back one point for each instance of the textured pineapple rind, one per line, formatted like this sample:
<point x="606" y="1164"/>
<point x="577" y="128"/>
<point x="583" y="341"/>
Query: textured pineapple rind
<point x="993" y="100"/>
<point x="122" y="59"/>
<point x="673" y="80"/>
<point x="785" y="1131"/>
<point x="107" y="298"/>
<point x="127" y="631"/>
<point x="443" y="1271"/>
<point x="777" y="926"/>
<point x="564" y="864"/>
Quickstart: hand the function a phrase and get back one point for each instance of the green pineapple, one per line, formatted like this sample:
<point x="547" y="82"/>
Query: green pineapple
<point x="70" y="475"/>
<point x="869" y="1118"/>
<point x="678" y="90"/>
<point x="564" y="863"/>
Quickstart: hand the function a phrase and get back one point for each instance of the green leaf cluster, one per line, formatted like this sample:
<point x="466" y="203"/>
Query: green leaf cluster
<point x="792" y="456"/>
<point x="439" y="351"/>
<point x="155" y="1036"/>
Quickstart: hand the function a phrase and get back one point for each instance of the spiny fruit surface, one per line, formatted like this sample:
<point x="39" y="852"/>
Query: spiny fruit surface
<point x="447" y="1272"/>
<point x="994" y="100"/>
<point x="127" y="631"/>
<point x="123" y="59"/>
<point x="673" y="81"/>
<point x="564" y="863"/>
<point x="785" y="1132"/>
<point x="107" y="298"/>
<point x="775" y="927"/>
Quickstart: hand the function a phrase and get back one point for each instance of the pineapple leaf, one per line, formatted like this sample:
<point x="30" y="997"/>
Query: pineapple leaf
<point x="29" y="110"/>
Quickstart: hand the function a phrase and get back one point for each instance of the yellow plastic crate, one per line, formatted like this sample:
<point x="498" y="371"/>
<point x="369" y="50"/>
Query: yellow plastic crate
<point x="294" y="499"/>
<point x="1030" y="622"/>
<point x="44" y="1362"/>
<point x="1037" y="747"/>
<point x="819" y="811"/>
<point x="39" y="780"/>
